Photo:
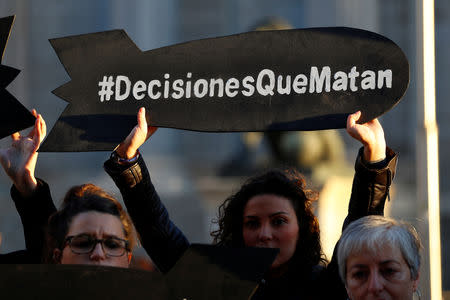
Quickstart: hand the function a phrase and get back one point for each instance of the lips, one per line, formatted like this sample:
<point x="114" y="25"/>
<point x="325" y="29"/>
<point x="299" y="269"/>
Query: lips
<point x="266" y="245"/>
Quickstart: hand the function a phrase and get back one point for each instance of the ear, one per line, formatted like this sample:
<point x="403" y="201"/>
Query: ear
<point x="57" y="256"/>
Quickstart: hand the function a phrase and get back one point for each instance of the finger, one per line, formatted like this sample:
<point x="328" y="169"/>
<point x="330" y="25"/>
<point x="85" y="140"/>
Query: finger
<point x="37" y="136"/>
<point x="15" y="136"/>
<point x="352" y="118"/>
<point x="32" y="133"/>
<point x="43" y="127"/>
<point x="142" y="122"/>
<point x="356" y="116"/>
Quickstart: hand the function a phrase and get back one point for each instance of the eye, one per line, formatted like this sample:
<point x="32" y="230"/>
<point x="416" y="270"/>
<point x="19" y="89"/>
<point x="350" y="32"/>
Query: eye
<point x="389" y="272"/>
<point x="251" y="224"/>
<point x="279" y="221"/>
<point x="82" y="241"/>
<point x="359" y="275"/>
<point x="113" y="243"/>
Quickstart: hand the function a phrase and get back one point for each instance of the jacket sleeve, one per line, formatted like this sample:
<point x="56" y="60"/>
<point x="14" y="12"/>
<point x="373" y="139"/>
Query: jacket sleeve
<point x="370" y="189"/>
<point x="160" y="237"/>
<point x="34" y="212"/>
<point x="371" y="185"/>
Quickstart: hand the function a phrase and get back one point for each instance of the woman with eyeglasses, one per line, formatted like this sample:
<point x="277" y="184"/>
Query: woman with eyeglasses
<point x="90" y="228"/>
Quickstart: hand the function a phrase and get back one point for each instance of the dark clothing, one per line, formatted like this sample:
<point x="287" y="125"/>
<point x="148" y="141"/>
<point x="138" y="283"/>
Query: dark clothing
<point x="370" y="187"/>
<point x="165" y="243"/>
<point x="34" y="212"/>
<point x="162" y="240"/>
<point x="18" y="257"/>
<point x="305" y="283"/>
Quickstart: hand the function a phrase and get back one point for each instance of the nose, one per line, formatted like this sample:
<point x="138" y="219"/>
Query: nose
<point x="265" y="233"/>
<point x="97" y="253"/>
<point x="375" y="282"/>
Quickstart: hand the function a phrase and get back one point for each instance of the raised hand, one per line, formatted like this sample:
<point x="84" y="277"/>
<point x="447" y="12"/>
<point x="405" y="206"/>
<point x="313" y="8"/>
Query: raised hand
<point x="140" y="133"/>
<point x="19" y="160"/>
<point x="370" y="134"/>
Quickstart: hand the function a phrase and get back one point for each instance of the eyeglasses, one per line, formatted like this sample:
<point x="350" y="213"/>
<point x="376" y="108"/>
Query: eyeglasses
<point x="85" y="243"/>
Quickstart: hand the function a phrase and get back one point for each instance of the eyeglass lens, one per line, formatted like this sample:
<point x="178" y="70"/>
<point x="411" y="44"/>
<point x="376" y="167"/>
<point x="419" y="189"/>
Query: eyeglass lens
<point x="83" y="244"/>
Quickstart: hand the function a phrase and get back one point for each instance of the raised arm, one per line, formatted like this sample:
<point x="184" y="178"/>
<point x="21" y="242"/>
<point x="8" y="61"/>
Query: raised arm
<point x="31" y="195"/>
<point x="19" y="160"/>
<point x="374" y="169"/>
<point x="162" y="240"/>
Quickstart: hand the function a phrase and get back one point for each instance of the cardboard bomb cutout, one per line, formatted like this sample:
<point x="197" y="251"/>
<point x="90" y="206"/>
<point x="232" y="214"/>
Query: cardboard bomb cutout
<point x="215" y="272"/>
<point x="303" y="79"/>
<point x="14" y="116"/>
<point x="204" y="272"/>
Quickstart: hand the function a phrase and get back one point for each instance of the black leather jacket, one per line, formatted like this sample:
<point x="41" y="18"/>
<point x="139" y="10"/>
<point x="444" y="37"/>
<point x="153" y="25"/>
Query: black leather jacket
<point x="165" y="243"/>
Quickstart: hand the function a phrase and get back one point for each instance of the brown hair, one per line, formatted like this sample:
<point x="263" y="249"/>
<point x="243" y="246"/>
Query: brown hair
<point x="79" y="199"/>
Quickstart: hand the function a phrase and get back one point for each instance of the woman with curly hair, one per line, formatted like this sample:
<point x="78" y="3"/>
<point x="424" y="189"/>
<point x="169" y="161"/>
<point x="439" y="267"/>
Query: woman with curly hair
<point x="271" y="210"/>
<point x="274" y="210"/>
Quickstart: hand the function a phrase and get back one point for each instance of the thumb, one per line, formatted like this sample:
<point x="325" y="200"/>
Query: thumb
<point x="142" y="122"/>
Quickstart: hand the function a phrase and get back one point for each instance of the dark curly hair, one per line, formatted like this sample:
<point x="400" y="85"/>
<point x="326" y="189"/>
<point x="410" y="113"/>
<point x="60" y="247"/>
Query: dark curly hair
<point x="79" y="199"/>
<point x="286" y="183"/>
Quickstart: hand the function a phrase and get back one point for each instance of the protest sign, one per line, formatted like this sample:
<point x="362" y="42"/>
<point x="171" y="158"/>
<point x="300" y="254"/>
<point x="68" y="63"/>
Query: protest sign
<point x="14" y="116"/>
<point x="204" y="272"/>
<point x="301" y="79"/>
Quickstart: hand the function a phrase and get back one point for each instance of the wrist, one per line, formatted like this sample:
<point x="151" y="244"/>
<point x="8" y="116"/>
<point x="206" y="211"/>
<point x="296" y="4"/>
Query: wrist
<point x="27" y="184"/>
<point x="117" y="158"/>
<point x="126" y="151"/>
<point x="374" y="154"/>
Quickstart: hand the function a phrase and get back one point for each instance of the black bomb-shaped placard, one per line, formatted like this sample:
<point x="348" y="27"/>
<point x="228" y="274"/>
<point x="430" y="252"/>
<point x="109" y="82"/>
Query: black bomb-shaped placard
<point x="14" y="116"/>
<point x="204" y="272"/>
<point x="301" y="79"/>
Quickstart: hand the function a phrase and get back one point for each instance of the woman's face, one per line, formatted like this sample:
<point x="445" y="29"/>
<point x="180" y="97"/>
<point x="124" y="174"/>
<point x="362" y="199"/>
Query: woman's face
<point x="270" y="222"/>
<point x="381" y="275"/>
<point x="90" y="226"/>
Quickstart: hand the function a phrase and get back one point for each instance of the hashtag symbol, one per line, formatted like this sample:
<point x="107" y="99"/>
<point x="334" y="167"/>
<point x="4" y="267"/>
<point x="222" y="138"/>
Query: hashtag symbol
<point x="106" y="91"/>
